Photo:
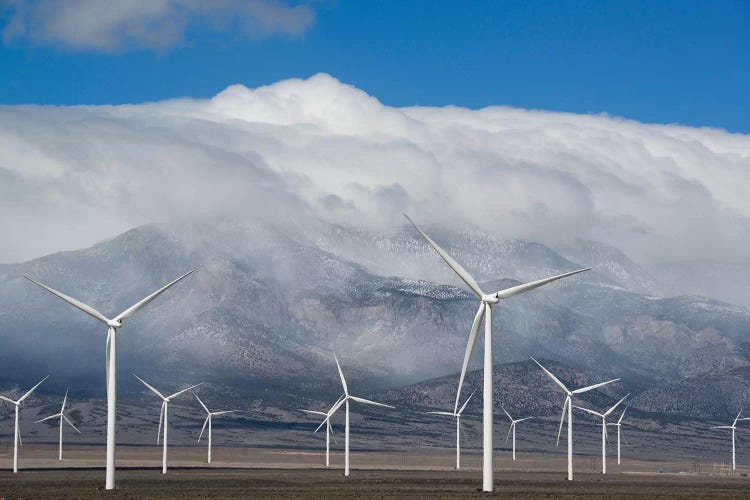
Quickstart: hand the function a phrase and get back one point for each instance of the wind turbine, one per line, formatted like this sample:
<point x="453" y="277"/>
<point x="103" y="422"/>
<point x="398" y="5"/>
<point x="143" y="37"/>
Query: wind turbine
<point x="62" y="417"/>
<point x="619" y="425"/>
<point x="485" y="309"/>
<point x="209" y="420"/>
<point x="329" y="427"/>
<point x="163" y="416"/>
<point x="513" y="429"/>
<point x="457" y="416"/>
<point x="345" y="401"/>
<point x="604" y="416"/>
<point x="569" y="405"/>
<point x="17" y="431"/>
<point x="733" y="427"/>
<point x="110" y="361"/>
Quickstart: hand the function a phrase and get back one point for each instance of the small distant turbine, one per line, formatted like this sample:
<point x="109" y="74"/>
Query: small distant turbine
<point x="329" y="427"/>
<point x="604" y="416"/>
<point x="110" y="364"/>
<point x="345" y="401"/>
<point x="619" y="425"/>
<point x="62" y="417"/>
<point x="457" y="416"/>
<point x="163" y="416"/>
<point x="209" y="420"/>
<point x="569" y="406"/>
<point x="734" y="428"/>
<point x="17" y="431"/>
<point x="486" y="301"/>
<point x="513" y="429"/>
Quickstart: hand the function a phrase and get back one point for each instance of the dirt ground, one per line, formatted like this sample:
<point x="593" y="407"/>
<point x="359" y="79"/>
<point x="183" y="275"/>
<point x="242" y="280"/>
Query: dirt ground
<point x="274" y="483"/>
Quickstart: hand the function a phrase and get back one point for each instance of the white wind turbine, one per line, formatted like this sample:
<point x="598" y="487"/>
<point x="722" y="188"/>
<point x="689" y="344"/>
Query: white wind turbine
<point x="512" y="429"/>
<point x="110" y="361"/>
<point x="62" y="417"/>
<point x="569" y="406"/>
<point x="604" y="416"/>
<point x="619" y="425"/>
<point x="329" y="427"/>
<point x="485" y="310"/>
<point x="345" y="401"/>
<point x="209" y="420"/>
<point x="17" y="431"/>
<point x="457" y="416"/>
<point x="733" y="427"/>
<point x="164" y="416"/>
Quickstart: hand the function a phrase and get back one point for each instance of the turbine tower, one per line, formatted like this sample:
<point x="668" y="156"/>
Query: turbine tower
<point x="733" y="427"/>
<point x="512" y="429"/>
<point x="209" y="420"/>
<point x="619" y="425"/>
<point x="329" y="427"/>
<point x="62" y="417"/>
<point x="345" y="401"/>
<point x="604" y="416"/>
<point x="110" y="361"/>
<point x="17" y="431"/>
<point x="569" y="406"/>
<point x="457" y="416"/>
<point x="485" y="310"/>
<point x="164" y="416"/>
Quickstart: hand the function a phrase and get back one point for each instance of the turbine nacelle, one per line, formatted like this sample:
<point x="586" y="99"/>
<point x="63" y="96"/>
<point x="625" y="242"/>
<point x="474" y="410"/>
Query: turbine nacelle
<point x="113" y="323"/>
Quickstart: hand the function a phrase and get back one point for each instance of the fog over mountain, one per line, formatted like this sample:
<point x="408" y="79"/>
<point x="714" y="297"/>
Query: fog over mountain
<point x="287" y="199"/>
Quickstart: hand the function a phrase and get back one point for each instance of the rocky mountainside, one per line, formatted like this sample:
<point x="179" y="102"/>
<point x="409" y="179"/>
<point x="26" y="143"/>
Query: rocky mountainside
<point x="271" y="300"/>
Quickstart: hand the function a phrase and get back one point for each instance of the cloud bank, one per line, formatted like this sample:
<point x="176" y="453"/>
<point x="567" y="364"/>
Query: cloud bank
<point x="70" y="176"/>
<point x="94" y="25"/>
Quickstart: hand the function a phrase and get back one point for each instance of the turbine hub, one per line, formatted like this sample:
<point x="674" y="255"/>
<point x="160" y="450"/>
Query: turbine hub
<point x="490" y="299"/>
<point x="114" y="324"/>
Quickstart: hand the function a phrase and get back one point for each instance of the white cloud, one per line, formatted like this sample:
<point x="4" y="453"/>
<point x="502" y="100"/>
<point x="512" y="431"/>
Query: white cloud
<point x="72" y="175"/>
<point x="151" y="24"/>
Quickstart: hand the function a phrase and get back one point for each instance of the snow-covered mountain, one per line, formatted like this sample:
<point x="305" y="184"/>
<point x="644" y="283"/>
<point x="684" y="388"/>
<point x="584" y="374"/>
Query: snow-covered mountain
<point x="271" y="299"/>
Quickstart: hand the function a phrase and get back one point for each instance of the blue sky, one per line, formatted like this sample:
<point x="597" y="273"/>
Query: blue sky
<point x="667" y="61"/>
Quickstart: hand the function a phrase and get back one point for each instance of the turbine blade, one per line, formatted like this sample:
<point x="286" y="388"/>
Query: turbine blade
<point x="224" y="412"/>
<point x="333" y="435"/>
<point x="523" y="419"/>
<point x="504" y="411"/>
<point x="721" y="427"/>
<point x="460" y="271"/>
<point x="73" y="302"/>
<point x="205" y="422"/>
<point x="737" y="417"/>
<point x="469" y="348"/>
<point x="515" y="290"/>
<point x="466" y="403"/>
<point x="336" y="407"/>
<point x="321" y="425"/>
<point x="616" y="405"/>
<point x="32" y="390"/>
<point x="139" y="305"/>
<point x="595" y="386"/>
<point x="562" y="419"/>
<point x="47" y="418"/>
<point x="446" y="413"/>
<point x="622" y="435"/>
<point x="201" y="402"/>
<point x="623" y="414"/>
<point x="184" y="390"/>
<point x="20" y="441"/>
<point x="341" y="374"/>
<point x="65" y="400"/>
<point x="368" y="402"/>
<point x="606" y="434"/>
<point x="316" y="412"/>
<point x="588" y="411"/>
<point x="557" y="380"/>
<point x="70" y="423"/>
<point x="161" y="417"/>
<point x="507" y="436"/>
<point x="106" y="363"/>
<point x="150" y="387"/>
<point x="7" y="399"/>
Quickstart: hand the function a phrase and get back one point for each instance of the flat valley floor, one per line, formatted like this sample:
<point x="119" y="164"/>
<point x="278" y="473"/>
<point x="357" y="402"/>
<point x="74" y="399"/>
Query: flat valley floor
<point x="273" y="473"/>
